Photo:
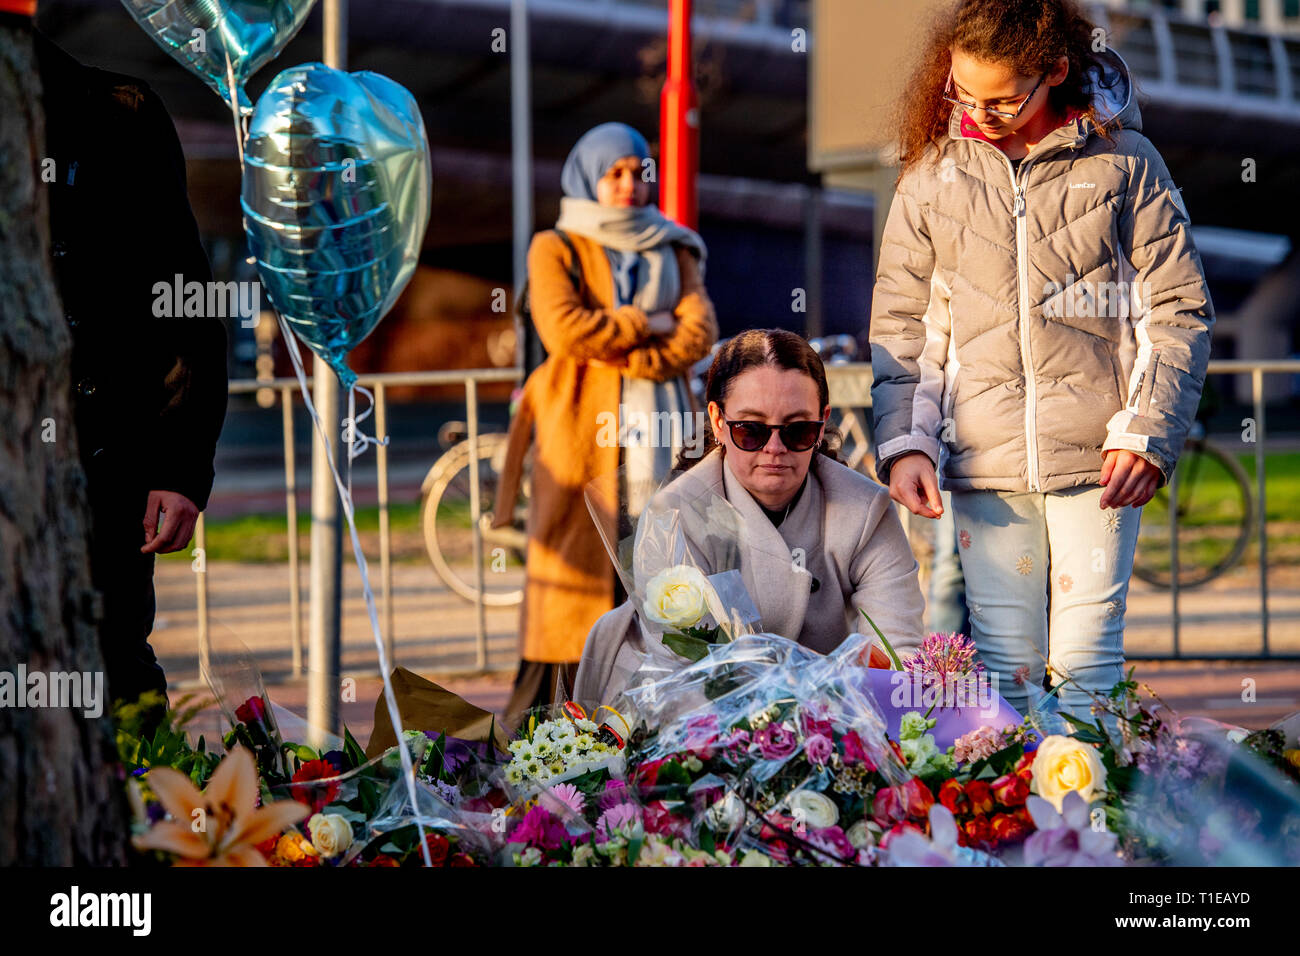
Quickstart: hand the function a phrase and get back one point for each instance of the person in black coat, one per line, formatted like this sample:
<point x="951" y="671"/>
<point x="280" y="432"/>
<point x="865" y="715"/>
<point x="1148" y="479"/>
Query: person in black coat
<point x="149" y="390"/>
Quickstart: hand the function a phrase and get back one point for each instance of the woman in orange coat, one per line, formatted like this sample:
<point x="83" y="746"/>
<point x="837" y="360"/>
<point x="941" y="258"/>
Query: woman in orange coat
<point x="619" y="344"/>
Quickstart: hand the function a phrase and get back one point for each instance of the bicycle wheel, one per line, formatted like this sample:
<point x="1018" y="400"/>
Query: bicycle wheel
<point x="1215" y="511"/>
<point x="448" y="535"/>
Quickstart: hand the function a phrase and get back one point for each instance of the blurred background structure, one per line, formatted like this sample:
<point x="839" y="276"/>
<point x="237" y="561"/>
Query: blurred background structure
<point x="794" y="179"/>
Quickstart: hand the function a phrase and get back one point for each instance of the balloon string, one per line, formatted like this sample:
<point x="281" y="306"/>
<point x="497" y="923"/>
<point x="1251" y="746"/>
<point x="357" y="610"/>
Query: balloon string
<point x="394" y="715"/>
<point x="234" y="108"/>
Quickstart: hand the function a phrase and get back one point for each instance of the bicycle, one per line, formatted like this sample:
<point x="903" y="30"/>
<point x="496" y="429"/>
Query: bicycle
<point x="1215" y="511"/>
<point x="446" y="520"/>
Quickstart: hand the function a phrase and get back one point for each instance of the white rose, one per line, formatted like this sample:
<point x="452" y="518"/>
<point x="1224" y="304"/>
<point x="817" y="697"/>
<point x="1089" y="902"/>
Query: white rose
<point x="816" y="810"/>
<point x="726" y="814"/>
<point x="675" y="597"/>
<point x="860" y="836"/>
<point x="331" y="834"/>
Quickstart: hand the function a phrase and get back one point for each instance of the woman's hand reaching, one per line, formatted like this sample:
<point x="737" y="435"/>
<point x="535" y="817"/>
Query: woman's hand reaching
<point x="914" y="485"/>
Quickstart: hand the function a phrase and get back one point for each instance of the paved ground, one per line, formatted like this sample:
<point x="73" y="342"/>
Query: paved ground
<point x="435" y="634"/>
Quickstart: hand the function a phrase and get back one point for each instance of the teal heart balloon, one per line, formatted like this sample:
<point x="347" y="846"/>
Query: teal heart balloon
<point x="220" y="39"/>
<point x="336" y="198"/>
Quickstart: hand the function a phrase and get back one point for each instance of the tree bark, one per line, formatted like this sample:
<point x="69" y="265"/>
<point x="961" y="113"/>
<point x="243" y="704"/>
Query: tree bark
<point x="61" y="799"/>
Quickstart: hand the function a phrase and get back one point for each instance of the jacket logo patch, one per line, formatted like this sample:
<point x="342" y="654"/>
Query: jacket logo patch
<point x="1083" y="185"/>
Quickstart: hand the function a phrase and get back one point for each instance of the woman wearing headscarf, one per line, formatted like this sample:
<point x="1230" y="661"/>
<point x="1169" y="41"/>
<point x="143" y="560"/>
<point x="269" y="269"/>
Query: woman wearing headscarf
<point x="617" y="296"/>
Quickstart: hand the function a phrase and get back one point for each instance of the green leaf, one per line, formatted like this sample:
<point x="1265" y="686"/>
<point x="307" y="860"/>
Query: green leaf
<point x="707" y="843"/>
<point x="1083" y="731"/>
<point x="691" y="648"/>
<point x="352" y="750"/>
<point x="889" y="649"/>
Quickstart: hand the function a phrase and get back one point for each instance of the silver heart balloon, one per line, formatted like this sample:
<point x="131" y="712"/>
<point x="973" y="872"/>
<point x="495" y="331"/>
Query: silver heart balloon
<point x="336" y="199"/>
<point x="221" y="39"/>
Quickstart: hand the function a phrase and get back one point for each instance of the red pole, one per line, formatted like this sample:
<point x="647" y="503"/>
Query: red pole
<point x="679" y="123"/>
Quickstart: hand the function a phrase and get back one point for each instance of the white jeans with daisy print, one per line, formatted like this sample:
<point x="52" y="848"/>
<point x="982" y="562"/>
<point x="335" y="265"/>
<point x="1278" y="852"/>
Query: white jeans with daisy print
<point x="1046" y="583"/>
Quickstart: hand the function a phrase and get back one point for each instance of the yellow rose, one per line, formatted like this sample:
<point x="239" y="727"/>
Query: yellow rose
<point x="331" y="834"/>
<point x="1063" y="764"/>
<point x="1292" y="757"/>
<point x="675" y="597"/>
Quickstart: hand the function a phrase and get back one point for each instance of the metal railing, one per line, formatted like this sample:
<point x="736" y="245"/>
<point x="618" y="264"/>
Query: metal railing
<point x="288" y="388"/>
<point x="850" y="386"/>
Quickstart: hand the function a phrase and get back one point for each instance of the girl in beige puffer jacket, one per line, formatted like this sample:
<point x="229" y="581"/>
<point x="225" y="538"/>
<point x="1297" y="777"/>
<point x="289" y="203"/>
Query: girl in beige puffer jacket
<point x="1040" y="328"/>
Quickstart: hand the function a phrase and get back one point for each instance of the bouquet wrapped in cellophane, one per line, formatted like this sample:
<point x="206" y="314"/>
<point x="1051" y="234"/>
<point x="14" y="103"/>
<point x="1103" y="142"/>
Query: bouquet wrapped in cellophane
<point x="764" y="752"/>
<point x="681" y="561"/>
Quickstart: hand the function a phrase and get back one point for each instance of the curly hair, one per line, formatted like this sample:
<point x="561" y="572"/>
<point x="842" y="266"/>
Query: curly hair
<point x="756" y="348"/>
<point x="1029" y="36"/>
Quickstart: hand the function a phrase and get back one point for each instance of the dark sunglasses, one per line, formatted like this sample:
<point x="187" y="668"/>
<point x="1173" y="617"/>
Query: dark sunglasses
<point x="795" y="436"/>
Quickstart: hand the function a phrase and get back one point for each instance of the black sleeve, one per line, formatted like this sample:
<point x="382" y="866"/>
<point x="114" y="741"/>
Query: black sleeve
<point x="189" y="352"/>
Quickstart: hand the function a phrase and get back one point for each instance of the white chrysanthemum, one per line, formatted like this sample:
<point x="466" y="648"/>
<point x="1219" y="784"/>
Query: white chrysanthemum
<point x="587" y="726"/>
<point x="543" y="748"/>
<point x="584" y="741"/>
<point x="514" y="775"/>
<point x="533" y="768"/>
<point x="517" y="745"/>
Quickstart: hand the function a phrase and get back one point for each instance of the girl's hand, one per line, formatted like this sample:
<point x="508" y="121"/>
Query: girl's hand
<point x="1129" y="479"/>
<point x="914" y="485"/>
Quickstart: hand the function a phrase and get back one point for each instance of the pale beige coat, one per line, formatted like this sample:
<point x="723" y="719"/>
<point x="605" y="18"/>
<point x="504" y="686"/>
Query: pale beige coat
<point x="844" y="531"/>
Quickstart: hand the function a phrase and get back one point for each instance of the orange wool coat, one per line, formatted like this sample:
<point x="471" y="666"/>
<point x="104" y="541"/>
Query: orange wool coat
<point x="590" y="346"/>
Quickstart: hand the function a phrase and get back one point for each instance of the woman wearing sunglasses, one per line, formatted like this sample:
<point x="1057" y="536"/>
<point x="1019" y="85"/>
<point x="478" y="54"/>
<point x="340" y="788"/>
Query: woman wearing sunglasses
<point x="1040" y="328"/>
<point x="823" y="542"/>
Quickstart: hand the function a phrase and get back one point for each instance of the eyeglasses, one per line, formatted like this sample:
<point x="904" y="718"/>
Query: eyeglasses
<point x="992" y="112"/>
<point x="795" y="436"/>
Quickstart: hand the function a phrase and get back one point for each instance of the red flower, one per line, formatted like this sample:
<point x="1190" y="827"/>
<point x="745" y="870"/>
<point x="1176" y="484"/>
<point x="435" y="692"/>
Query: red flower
<point x="981" y="797"/>
<point x="978" y="831"/>
<point x="895" y="804"/>
<point x="918" y="799"/>
<point x="1007" y="828"/>
<point x="647" y="775"/>
<point x="383" y="859"/>
<point x="439" y="846"/>
<point x="896" y="829"/>
<point x="1024" y="764"/>
<point x="887" y="808"/>
<point x="855" y="753"/>
<point x="251" y="711"/>
<point x="461" y="859"/>
<point x="1010" y="790"/>
<point x="953" y="797"/>
<point x="267" y="846"/>
<point x="898" y="752"/>
<point x="317" y="797"/>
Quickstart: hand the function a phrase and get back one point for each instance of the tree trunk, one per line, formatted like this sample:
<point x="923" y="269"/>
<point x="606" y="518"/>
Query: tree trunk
<point x="61" y="802"/>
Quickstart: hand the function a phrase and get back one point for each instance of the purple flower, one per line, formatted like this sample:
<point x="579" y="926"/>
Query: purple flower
<point x="702" y="734"/>
<point x="616" y="792"/>
<point x="1067" y="838"/>
<point x="818" y="749"/>
<point x="736" y="744"/>
<point x="947" y="660"/>
<point x="618" y="817"/>
<point x="776" y="741"/>
<point x="538" y="828"/>
<point x="833" y="841"/>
